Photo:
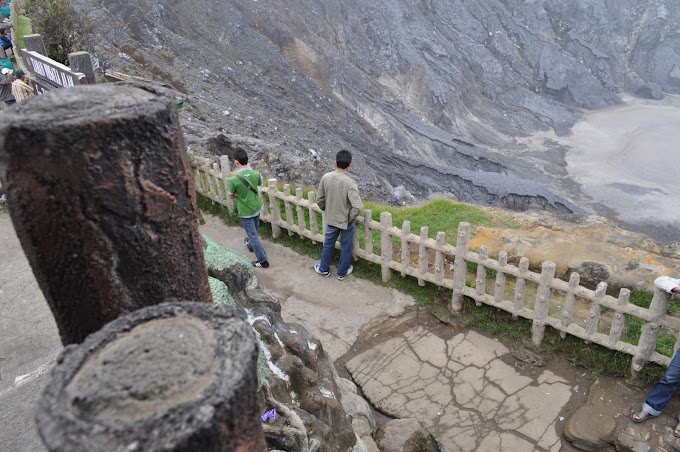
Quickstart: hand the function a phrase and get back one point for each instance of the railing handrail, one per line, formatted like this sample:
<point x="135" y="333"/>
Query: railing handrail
<point x="211" y="182"/>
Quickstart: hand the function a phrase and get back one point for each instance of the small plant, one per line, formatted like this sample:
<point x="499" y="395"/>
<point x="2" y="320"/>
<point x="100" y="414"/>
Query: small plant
<point x="63" y="27"/>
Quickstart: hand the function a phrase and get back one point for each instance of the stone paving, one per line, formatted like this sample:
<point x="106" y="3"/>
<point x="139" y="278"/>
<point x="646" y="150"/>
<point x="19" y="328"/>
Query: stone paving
<point x="605" y="420"/>
<point x="463" y="391"/>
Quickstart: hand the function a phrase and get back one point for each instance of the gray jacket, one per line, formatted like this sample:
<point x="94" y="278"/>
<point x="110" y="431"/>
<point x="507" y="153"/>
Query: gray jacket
<point x="338" y="197"/>
<point x="6" y="87"/>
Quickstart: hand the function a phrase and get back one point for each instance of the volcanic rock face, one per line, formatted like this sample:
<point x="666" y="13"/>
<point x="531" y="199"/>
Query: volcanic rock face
<point x="295" y="375"/>
<point x="432" y="96"/>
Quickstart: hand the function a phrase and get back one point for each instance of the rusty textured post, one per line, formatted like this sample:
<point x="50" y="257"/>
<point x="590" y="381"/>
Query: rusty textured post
<point x="102" y="197"/>
<point x="171" y="377"/>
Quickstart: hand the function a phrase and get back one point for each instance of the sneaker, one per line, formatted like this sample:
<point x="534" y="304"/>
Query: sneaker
<point x="247" y="243"/>
<point x="257" y="264"/>
<point x="324" y="274"/>
<point x="349" y="270"/>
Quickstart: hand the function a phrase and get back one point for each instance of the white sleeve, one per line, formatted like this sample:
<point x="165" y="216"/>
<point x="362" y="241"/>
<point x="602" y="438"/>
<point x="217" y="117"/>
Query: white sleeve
<point x="666" y="283"/>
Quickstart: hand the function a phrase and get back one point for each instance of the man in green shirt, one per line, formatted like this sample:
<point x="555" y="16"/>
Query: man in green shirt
<point x="243" y="190"/>
<point x="338" y="197"/>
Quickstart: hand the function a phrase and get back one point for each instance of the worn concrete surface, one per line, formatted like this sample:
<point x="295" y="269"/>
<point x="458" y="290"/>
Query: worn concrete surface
<point x="465" y="387"/>
<point x="463" y="391"/>
<point x="333" y="311"/>
<point x="29" y="343"/>
<point x="604" y="420"/>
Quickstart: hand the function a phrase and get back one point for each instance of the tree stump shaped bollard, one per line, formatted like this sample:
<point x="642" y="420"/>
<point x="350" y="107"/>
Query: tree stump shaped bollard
<point x="171" y="377"/>
<point x="102" y="197"/>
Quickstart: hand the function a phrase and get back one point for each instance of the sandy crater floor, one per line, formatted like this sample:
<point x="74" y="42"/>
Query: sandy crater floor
<point x="628" y="159"/>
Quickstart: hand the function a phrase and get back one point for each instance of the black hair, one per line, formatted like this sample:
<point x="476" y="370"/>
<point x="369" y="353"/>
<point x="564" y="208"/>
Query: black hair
<point x="3" y="30"/>
<point x="241" y="155"/>
<point x="343" y="158"/>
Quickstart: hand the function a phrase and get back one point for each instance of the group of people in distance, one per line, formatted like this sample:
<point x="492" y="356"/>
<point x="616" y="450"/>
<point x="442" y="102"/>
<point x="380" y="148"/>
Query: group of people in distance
<point x="338" y="196"/>
<point x="14" y="86"/>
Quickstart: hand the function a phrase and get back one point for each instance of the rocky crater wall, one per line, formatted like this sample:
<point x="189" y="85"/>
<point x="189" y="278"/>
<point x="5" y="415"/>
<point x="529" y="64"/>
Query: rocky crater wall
<point x="447" y="86"/>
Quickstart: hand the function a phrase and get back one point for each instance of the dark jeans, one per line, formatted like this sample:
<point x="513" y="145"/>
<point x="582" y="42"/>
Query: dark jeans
<point x="251" y="225"/>
<point x="346" y="241"/>
<point x="663" y="391"/>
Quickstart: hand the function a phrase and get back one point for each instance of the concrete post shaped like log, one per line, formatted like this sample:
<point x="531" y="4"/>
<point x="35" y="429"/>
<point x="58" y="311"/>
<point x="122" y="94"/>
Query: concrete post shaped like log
<point x="171" y="377"/>
<point x="101" y="195"/>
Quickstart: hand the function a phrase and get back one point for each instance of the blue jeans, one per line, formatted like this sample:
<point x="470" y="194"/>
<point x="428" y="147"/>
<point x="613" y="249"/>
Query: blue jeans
<point x="663" y="391"/>
<point x="251" y="225"/>
<point x="346" y="240"/>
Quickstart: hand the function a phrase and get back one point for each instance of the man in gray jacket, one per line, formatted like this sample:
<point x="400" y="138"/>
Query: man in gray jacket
<point x="338" y="197"/>
<point x="6" y="86"/>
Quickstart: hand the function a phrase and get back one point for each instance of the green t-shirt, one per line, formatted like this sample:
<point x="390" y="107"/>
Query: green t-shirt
<point x="248" y="203"/>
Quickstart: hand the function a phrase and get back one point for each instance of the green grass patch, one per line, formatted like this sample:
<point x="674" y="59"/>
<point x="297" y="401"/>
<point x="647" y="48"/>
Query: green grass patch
<point x="24" y="27"/>
<point x="439" y="215"/>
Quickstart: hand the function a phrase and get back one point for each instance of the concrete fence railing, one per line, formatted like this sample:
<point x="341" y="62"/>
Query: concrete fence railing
<point x="555" y="300"/>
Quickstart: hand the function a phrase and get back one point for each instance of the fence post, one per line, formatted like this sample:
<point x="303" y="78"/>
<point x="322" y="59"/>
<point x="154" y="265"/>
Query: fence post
<point x="499" y="292"/>
<point x="569" y="302"/>
<point x="385" y="245"/>
<point x="543" y="296"/>
<point x="288" y="209"/>
<point x="274" y="208"/>
<point x="460" y="266"/>
<point x="422" y="255"/>
<point x="355" y="241"/>
<point x="225" y="166"/>
<point x="595" y="309"/>
<point x="439" y="259"/>
<point x="300" y="212"/>
<point x="34" y="43"/>
<point x="650" y="331"/>
<point x="214" y="181"/>
<point x="480" y="280"/>
<point x="368" y="233"/>
<point x="313" y="215"/>
<point x="520" y="288"/>
<point x="619" y="321"/>
<point x="81" y="62"/>
<point x="405" y="247"/>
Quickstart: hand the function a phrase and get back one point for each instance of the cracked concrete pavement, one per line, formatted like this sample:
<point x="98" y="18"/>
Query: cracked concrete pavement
<point x="468" y="397"/>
